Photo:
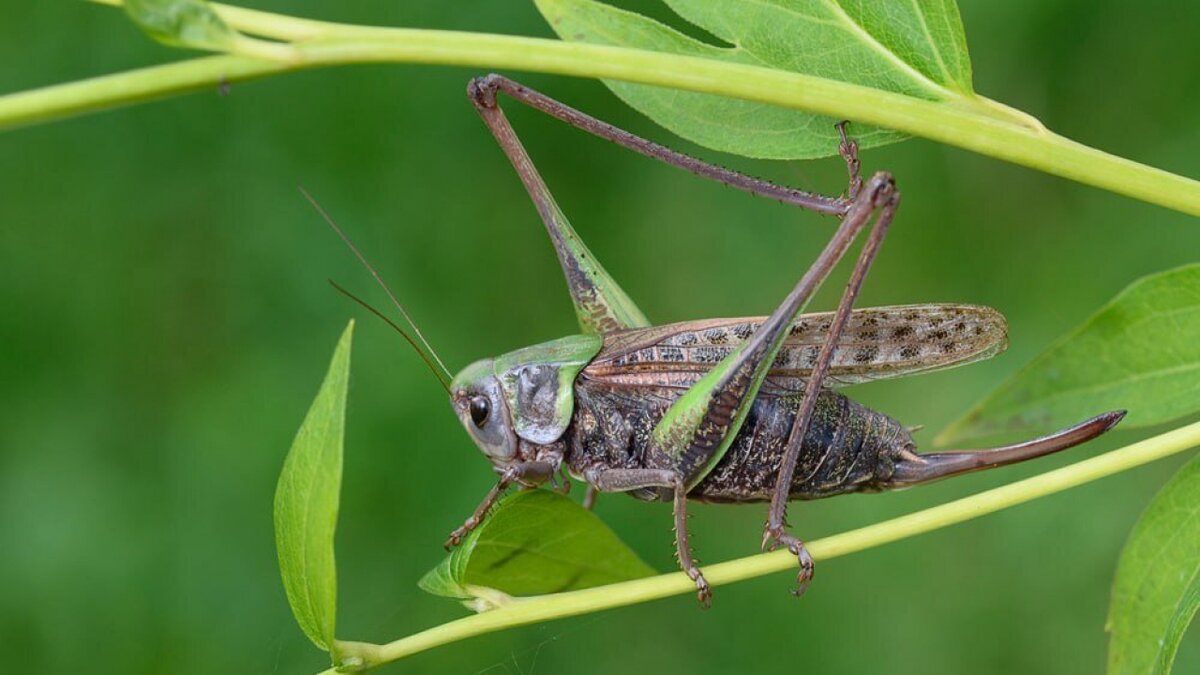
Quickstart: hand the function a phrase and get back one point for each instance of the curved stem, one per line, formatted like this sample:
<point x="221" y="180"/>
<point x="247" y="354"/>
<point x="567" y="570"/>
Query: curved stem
<point x="560" y="605"/>
<point x="973" y="123"/>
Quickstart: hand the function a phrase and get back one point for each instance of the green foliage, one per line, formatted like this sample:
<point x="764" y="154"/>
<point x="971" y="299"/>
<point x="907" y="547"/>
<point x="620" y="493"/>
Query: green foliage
<point x="181" y="23"/>
<point x="1138" y="352"/>
<point x="78" y="375"/>
<point x="917" y="48"/>
<point x="306" y="503"/>
<point x="1157" y="589"/>
<point x="535" y="542"/>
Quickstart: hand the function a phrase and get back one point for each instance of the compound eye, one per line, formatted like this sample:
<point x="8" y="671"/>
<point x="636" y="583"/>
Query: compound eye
<point x="480" y="407"/>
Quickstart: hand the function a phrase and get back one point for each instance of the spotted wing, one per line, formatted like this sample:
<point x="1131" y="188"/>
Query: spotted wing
<point x="878" y="343"/>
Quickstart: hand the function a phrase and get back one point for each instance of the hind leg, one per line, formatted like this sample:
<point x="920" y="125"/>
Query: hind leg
<point x="880" y="197"/>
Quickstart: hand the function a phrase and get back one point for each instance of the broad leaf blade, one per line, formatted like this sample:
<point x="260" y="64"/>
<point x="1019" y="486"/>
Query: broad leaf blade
<point x="181" y="23"/>
<point x="1140" y="352"/>
<point x="306" y="504"/>
<point x="536" y="542"/>
<point x="1157" y="589"/>
<point x="916" y="48"/>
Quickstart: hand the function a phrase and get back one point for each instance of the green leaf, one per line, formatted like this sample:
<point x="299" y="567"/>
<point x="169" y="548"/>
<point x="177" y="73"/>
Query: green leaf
<point x="306" y="504"/>
<point x="916" y="48"/>
<point x="1157" y="589"/>
<point x="535" y="542"/>
<point x="182" y="23"/>
<point x="1140" y="352"/>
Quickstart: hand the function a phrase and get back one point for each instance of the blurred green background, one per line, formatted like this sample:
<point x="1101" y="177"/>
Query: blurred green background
<point x="166" y="322"/>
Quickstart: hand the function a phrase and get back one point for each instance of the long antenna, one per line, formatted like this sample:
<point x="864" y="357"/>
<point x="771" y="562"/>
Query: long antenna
<point x="427" y="353"/>
<point x="432" y="368"/>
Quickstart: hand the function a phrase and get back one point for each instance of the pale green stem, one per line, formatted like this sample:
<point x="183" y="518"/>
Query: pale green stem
<point x="557" y="606"/>
<point x="974" y="123"/>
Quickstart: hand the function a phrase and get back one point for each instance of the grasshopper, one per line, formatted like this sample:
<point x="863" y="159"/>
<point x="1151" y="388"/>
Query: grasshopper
<point x="719" y="410"/>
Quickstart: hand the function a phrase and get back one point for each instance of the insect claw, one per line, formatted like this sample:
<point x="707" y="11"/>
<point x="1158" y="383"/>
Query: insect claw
<point x="807" y="567"/>
<point x="703" y="590"/>
<point x="456" y="537"/>
<point x="770" y="540"/>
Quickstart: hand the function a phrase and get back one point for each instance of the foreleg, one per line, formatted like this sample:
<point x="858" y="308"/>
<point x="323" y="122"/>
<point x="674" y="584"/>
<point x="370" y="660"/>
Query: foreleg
<point x="535" y="471"/>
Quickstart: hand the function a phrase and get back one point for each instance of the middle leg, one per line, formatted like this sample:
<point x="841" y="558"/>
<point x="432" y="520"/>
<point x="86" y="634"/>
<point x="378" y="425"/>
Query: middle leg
<point x="624" y="480"/>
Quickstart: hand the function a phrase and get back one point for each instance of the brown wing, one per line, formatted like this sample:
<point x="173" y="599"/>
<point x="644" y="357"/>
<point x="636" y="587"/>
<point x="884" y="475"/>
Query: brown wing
<point x="878" y="343"/>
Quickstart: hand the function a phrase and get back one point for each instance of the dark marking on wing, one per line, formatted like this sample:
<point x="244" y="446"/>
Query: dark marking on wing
<point x="878" y="343"/>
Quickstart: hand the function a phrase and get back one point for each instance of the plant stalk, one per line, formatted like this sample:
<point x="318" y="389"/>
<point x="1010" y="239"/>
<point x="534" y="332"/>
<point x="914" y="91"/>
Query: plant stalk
<point x="524" y="611"/>
<point x="974" y="123"/>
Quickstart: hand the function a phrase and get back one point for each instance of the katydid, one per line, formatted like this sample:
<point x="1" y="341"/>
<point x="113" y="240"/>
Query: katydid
<point x="721" y="410"/>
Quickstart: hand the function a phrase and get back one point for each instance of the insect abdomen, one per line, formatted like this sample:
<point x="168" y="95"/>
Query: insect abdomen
<point x="848" y="448"/>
